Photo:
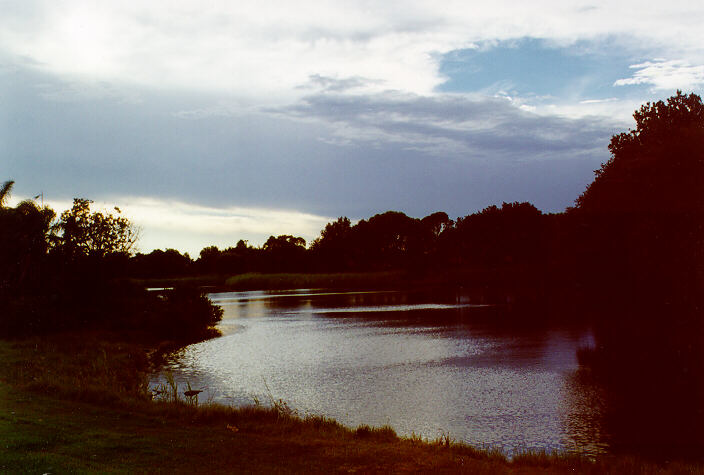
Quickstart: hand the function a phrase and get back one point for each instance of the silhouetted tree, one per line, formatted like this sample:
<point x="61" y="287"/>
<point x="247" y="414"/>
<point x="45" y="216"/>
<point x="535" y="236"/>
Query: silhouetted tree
<point x="333" y="249"/>
<point x="95" y="234"/>
<point x="24" y="234"/>
<point x="640" y="221"/>
<point x="158" y="263"/>
<point x="285" y="253"/>
<point x="638" y="234"/>
<point x="435" y="224"/>
<point x="386" y="240"/>
<point x="497" y="236"/>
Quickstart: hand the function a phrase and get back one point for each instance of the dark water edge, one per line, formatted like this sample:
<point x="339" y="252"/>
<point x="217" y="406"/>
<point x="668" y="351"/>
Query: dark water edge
<point x="650" y="363"/>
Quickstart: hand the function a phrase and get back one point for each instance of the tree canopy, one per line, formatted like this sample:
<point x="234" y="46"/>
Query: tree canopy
<point x="94" y="233"/>
<point x="640" y="224"/>
<point x="658" y="167"/>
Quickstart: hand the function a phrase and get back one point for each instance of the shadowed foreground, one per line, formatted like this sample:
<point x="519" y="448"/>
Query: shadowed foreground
<point x="70" y="409"/>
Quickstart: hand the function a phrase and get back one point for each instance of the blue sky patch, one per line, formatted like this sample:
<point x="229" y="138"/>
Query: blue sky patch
<point x="532" y="67"/>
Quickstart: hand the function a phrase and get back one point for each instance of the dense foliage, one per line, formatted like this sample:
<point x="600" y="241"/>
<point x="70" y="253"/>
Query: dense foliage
<point x="86" y="233"/>
<point x="641" y="222"/>
<point x="638" y="240"/>
<point x="69" y="273"/>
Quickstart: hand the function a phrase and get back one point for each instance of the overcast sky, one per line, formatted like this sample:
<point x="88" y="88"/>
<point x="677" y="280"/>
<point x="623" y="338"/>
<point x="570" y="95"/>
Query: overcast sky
<point x="210" y="122"/>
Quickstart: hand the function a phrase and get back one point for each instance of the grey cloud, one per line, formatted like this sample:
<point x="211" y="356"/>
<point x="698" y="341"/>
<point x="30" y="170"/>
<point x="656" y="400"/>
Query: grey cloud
<point x="486" y="128"/>
<point x="330" y="84"/>
<point x="330" y="155"/>
<point x="76" y="92"/>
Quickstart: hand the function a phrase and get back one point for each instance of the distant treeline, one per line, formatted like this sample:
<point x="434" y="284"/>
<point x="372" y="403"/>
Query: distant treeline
<point x="515" y="233"/>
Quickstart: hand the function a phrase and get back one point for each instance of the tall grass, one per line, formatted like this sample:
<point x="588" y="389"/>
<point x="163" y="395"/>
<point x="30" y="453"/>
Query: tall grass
<point x="81" y="367"/>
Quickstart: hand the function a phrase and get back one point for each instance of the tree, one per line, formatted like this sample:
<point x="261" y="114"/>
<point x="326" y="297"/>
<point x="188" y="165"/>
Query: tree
<point x="95" y="234"/>
<point x="284" y="242"/>
<point x="638" y="235"/>
<point x="284" y="253"/>
<point x="333" y="249"/>
<point x="497" y="236"/>
<point x="160" y="263"/>
<point x="24" y="234"/>
<point x="641" y="222"/>
<point x="436" y="223"/>
<point x="658" y="167"/>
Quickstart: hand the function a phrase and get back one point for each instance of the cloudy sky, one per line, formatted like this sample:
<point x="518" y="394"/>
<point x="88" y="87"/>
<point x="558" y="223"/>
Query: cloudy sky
<point x="213" y="121"/>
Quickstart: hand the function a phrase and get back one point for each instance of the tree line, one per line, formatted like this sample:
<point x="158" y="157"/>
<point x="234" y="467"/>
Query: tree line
<point x="509" y="234"/>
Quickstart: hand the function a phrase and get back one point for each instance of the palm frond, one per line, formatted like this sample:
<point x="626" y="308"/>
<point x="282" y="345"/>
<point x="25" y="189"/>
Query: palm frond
<point x="5" y="191"/>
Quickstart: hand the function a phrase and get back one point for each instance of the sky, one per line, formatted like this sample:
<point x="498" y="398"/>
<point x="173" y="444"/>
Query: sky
<point x="208" y="122"/>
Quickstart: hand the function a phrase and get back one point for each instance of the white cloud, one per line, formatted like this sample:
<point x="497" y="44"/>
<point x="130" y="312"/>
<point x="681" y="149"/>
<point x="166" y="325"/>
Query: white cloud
<point x="189" y="227"/>
<point x="265" y="50"/>
<point x="662" y="74"/>
<point x="598" y="101"/>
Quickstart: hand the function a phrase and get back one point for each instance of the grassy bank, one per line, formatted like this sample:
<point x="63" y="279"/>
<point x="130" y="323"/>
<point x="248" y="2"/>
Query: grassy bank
<point x="81" y="403"/>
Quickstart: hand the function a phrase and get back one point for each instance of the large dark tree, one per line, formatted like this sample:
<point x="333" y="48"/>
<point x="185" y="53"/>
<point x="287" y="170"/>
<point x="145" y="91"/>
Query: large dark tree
<point x="641" y="220"/>
<point x="639" y="235"/>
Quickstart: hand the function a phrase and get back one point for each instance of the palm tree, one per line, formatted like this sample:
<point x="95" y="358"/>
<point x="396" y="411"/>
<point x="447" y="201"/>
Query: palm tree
<point x="5" y="191"/>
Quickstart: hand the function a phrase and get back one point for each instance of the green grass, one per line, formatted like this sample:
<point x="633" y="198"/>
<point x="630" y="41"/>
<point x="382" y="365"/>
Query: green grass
<point x="79" y="403"/>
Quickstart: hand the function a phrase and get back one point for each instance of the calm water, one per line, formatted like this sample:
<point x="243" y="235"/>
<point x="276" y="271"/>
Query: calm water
<point x="428" y="365"/>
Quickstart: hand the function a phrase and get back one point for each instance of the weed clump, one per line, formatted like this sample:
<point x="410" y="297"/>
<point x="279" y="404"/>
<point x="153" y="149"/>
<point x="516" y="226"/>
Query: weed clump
<point x="378" y="434"/>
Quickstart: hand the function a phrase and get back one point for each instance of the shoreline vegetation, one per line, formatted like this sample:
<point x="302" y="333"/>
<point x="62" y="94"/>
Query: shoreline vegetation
<point x="81" y="402"/>
<point x="468" y="280"/>
<point x="281" y="281"/>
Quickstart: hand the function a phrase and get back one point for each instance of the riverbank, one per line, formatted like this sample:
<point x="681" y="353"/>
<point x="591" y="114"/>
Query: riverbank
<point x="80" y="402"/>
<point x="285" y="281"/>
<point x="512" y="279"/>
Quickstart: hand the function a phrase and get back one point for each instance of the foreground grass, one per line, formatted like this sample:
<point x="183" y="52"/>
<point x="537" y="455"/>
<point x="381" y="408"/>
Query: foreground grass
<point x="80" y="403"/>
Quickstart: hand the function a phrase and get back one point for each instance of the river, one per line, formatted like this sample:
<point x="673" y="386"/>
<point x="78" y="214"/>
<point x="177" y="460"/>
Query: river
<point x="429" y="365"/>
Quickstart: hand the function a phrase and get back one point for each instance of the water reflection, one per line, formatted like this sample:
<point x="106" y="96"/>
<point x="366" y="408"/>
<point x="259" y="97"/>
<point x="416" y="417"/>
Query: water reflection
<point x="424" y="364"/>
